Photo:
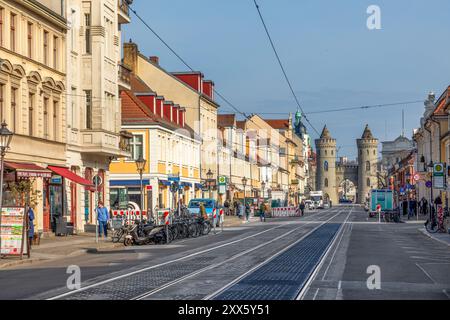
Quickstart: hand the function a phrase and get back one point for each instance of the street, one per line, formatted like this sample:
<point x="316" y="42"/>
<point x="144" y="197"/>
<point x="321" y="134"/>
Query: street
<point x="324" y="255"/>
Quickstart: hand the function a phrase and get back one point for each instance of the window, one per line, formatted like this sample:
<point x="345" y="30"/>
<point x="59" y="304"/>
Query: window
<point x="326" y="152"/>
<point x="30" y="114"/>
<point x="45" y="118"/>
<point x="326" y="183"/>
<point x="368" y="182"/>
<point x="88" y="109"/>
<point x="55" y="52"/>
<point x="88" y="44"/>
<point x="368" y="153"/>
<point x="2" y="104"/>
<point x="374" y="152"/>
<point x="45" y="47"/>
<point x="137" y="147"/>
<point x="325" y="165"/>
<point x="55" y="120"/>
<point x="12" y="37"/>
<point x="368" y="166"/>
<point x="73" y="106"/>
<point x="12" y="125"/>
<point x="30" y="39"/>
<point x="1" y="26"/>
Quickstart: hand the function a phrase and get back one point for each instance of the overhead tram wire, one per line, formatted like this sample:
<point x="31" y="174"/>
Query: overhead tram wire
<point x="282" y="68"/>
<point x="343" y="109"/>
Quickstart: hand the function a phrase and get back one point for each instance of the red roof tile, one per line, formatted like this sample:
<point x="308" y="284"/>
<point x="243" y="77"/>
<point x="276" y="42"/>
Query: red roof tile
<point x="280" y="124"/>
<point x="226" y="120"/>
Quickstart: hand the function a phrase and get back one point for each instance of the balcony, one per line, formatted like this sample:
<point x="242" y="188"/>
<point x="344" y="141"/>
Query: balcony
<point x="105" y="143"/>
<point x="123" y="11"/>
<point x="124" y="77"/>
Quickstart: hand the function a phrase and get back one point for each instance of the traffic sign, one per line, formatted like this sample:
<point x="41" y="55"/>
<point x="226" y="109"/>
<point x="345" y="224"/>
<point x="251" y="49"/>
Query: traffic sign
<point x="428" y="184"/>
<point x="416" y="177"/>
<point x="438" y="170"/>
<point x="149" y="188"/>
<point x="222" y="180"/>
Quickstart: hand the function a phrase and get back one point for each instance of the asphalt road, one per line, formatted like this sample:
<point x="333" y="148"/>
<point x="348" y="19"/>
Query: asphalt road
<point x="324" y="255"/>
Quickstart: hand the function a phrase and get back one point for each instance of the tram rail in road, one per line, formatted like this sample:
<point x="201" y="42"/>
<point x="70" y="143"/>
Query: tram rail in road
<point x="136" y="285"/>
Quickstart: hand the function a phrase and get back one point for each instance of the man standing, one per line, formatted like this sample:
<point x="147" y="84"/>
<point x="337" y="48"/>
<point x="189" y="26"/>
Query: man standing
<point x="262" y="212"/>
<point x="102" y="218"/>
<point x="302" y="208"/>
<point x="247" y="212"/>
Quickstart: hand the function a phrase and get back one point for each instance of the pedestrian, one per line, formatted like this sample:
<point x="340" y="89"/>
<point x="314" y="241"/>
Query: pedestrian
<point x="31" y="218"/>
<point x="102" y="218"/>
<point x="262" y="212"/>
<point x="241" y="210"/>
<point x="302" y="208"/>
<point x="247" y="212"/>
<point x="405" y="207"/>
<point x="203" y="211"/>
<point x="425" y="207"/>
<point x="227" y="207"/>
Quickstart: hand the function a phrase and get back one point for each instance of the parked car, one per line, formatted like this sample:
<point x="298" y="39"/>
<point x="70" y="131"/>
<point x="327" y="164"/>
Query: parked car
<point x="210" y="206"/>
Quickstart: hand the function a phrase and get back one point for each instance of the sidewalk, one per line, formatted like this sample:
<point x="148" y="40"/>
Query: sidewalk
<point x="60" y="247"/>
<point x="440" y="237"/>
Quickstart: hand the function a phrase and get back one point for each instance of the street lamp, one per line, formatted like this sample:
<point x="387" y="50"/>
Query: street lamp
<point x="5" y="141"/>
<point x="209" y="176"/>
<point x="244" y="183"/>
<point x="140" y="165"/>
<point x="263" y="186"/>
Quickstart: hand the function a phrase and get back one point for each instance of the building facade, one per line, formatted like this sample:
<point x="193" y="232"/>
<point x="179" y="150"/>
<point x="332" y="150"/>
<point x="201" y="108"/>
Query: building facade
<point x="188" y="89"/>
<point x="32" y="101"/>
<point x="94" y="79"/>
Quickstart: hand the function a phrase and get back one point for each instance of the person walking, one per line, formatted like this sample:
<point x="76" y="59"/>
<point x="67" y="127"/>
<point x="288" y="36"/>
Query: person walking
<point x="102" y="218"/>
<point x="302" y="208"/>
<point x="226" y="205"/>
<point x="241" y="210"/>
<point x="247" y="212"/>
<point x="262" y="212"/>
<point x="31" y="218"/>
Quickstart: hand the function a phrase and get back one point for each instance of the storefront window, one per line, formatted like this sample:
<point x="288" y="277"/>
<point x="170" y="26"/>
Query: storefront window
<point x="134" y="195"/>
<point x="118" y="199"/>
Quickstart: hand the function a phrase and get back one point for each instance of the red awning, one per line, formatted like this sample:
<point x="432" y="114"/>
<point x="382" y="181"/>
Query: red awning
<point x="66" y="173"/>
<point x="28" y="170"/>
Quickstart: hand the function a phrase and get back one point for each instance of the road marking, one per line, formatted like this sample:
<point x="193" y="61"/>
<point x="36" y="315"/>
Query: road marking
<point x="335" y="251"/>
<point x="446" y="293"/>
<point x="322" y="260"/>
<point x="427" y="274"/>
<point x="168" y="262"/>
<point x="216" y="293"/>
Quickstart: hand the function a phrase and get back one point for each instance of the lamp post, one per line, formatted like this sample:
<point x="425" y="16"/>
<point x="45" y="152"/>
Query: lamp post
<point x="263" y="186"/>
<point x="5" y="141"/>
<point x="244" y="183"/>
<point x="209" y="176"/>
<point x="140" y="165"/>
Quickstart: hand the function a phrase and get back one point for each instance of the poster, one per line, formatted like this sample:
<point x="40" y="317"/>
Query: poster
<point x="13" y="230"/>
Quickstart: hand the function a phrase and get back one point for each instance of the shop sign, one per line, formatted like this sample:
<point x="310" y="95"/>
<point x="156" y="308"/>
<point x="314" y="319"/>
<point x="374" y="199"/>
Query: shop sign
<point x="13" y="230"/>
<point x="56" y="180"/>
<point x="222" y="189"/>
<point x="31" y="174"/>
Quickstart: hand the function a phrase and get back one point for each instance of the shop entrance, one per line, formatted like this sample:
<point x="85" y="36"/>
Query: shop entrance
<point x="56" y="204"/>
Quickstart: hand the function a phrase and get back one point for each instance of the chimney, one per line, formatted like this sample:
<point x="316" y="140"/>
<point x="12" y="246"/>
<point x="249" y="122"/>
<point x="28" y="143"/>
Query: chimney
<point x="155" y="60"/>
<point x="130" y="56"/>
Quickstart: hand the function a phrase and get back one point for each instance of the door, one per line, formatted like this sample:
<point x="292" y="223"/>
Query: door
<point x="56" y="204"/>
<point x="73" y="204"/>
<point x="46" y="207"/>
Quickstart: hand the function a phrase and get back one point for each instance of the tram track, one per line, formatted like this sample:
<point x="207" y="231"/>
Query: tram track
<point x="136" y="284"/>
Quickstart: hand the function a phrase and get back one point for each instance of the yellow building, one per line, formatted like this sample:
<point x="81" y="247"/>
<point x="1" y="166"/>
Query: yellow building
<point x="188" y="89"/>
<point x="32" y="101"/>
<point x="170" y="146"/>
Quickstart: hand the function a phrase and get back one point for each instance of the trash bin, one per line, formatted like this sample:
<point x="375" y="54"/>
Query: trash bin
<point x="70" y="229"/>
<point x="61" y="226"/>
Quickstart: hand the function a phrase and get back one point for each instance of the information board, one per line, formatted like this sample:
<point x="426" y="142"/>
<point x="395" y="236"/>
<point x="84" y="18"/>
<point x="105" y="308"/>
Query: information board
<point x="13" y="231"/>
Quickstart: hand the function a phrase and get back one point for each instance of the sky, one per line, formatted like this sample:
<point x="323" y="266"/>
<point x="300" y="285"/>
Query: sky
<point x="332" y="59"/>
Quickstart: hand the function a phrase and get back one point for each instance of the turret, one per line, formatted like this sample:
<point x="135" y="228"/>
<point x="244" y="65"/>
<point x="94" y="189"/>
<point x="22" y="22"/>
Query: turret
<point x="326" y="165"/>
<point x="368" y="164"/>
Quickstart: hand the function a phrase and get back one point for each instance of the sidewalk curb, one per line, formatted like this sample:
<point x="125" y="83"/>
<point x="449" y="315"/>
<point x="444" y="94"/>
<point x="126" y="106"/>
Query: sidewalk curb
<point x="433" y="238"/>
<point x="20" y="263"/>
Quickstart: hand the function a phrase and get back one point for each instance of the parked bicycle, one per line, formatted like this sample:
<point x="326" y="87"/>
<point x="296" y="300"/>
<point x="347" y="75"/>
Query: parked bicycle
<point x="435" y="222"/>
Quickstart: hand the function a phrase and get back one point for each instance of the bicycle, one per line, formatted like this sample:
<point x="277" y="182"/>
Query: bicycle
<point x="435" y="222"/>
